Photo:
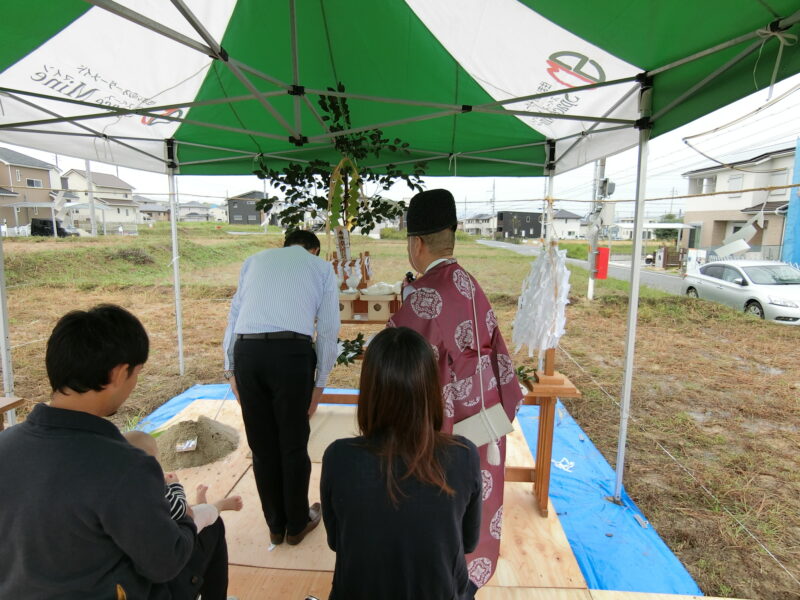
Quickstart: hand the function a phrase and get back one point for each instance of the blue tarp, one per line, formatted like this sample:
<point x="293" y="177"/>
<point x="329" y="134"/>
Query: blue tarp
<point x="613" y="550"/>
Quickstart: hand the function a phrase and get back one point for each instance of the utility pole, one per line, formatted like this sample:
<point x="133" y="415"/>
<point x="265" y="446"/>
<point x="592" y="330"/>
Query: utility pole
<point x="594" y="227"/>
<point x="90" y="187"/>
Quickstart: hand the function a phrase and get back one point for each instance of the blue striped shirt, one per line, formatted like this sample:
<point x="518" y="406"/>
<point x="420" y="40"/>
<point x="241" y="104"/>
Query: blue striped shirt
<point x="287" y="289"/>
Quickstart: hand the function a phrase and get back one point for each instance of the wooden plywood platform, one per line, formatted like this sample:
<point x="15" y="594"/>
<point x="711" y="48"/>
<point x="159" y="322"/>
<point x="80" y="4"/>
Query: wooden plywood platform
<point x="536" y="560"/>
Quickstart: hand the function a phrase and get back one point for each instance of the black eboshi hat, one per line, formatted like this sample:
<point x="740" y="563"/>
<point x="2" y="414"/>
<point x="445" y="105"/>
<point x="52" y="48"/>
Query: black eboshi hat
<point x="431" y="211"/>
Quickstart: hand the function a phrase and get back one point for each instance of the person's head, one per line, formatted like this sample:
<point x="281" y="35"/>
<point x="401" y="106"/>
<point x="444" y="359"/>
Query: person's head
<point x="431" y="227"/>
<point x="143" y="441"/>
<point x="400" y="409"/>
<point x="97" y="351"/>
<point x="306" y="239"/>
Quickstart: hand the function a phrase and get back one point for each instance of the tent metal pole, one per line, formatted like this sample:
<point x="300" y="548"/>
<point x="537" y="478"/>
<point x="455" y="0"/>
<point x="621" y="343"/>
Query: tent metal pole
<point x="385" y="100"/>
<point x="645" y="103"/>
<point x="298" y="122"/>
<point x="562" y="117"/>
<point x="176" y="268"/>
<point x="783" y="23"/>
<point x="53" y="219"/>
<point x="593" y="128"/>
<point x="111" y="111"/>
<point x="84" y="127"/>
<point x="73" y="133"/>
<point x="147" y="23"/>
<point x="590" y="131"/>
<point x="333" y="134"/>
<point x="502" y="160"/>
<point x="561" y="92"/>
<point x="706" y="80"/>
<point x="90" y="189"/>
<point x="5" y="342"/>
<point x="315" y="113"/>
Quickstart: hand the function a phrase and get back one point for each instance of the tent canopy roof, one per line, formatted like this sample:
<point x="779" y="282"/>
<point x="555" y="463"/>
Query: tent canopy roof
<point x="469" y="88"/>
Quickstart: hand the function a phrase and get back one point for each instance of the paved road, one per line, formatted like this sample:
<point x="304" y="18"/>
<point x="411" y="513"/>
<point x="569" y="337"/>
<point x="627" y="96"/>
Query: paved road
<point x="659" y="281"/>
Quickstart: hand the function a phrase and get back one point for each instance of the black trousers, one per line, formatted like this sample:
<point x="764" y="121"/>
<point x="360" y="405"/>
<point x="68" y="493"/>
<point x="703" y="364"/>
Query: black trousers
<point x="206" y="573"/>
<point x="275" y="379"/>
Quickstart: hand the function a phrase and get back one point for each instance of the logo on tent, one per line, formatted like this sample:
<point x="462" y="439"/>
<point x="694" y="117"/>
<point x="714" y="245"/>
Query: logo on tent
<point x="174" y="112"/>
<point x="569" y="69"/>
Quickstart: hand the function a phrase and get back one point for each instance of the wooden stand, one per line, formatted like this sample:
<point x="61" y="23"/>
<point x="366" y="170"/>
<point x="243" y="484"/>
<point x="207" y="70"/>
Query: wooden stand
<point x="8" y="403"/>
<point x="551" y="386"/>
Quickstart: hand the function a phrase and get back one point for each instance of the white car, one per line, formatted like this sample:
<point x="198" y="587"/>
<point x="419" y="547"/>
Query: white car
<point x="767" y="289"/>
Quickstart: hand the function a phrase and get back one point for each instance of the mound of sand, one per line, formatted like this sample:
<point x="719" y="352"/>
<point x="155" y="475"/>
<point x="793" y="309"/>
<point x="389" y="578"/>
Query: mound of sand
<point x="214" y="441"/>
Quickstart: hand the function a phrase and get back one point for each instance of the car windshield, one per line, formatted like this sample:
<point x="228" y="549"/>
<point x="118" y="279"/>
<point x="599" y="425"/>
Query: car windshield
<point x="773" y="275"/>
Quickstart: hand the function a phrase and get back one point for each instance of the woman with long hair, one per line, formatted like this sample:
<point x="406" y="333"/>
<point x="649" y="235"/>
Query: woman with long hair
<point x="402" y="502"/>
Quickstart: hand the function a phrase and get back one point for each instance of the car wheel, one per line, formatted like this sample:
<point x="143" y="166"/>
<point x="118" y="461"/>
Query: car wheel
<point x="755" y="309"/>
<point x="692" y="293"/>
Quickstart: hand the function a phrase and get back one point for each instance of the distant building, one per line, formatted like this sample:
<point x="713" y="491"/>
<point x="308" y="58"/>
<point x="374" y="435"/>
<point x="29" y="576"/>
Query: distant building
<point x="483" y="225"/>
<point x="517" y="224"/>
<point x="194" y="212"/>
<point x="219" y="214"/>
<point x="152" y="210"/>
<point x="718" y="216"/>
<point x="25" y="184"/>
<point x="566" y="225"/>
<point x="242" y="209"/>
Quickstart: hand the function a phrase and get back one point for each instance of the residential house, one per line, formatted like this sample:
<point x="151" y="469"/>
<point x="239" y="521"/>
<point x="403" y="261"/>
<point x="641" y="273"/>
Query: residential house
<point x="219" y="213"/>
<point x="566" y="225"/>
<point x="194" y="211"/>
<point x="115" y="208"/>
<point x="242" y="209"/>
<point x="517" y="224"/>
<point x="483" y="225"/>
<point x="25" y="188"/>
<point x="623" y="228"/>
<point x="150" y="210"/>
<point x="718" y="216"/>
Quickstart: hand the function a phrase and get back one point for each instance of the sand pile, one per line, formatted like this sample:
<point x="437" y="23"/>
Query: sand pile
<point x="214" y="441"/>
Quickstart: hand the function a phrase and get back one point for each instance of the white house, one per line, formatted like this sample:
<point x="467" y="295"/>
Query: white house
<point x="194" y="211"/>
<point x="566" y="225"/>
<point x="718" y="216"/>
<point x="114" y="203"/>
<point x="218" y="214"/>
<point x="483" y="225"/>
<point x="151" y="210"/>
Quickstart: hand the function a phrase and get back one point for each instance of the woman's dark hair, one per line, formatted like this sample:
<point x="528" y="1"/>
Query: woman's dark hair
<point x="301" y="237"/>
<point x="86" y="345"/>
<point x="400" y="409"/>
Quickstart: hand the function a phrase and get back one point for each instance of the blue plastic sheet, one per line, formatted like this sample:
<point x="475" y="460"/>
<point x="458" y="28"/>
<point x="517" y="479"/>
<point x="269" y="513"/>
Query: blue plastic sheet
<point x="612" y="548"/>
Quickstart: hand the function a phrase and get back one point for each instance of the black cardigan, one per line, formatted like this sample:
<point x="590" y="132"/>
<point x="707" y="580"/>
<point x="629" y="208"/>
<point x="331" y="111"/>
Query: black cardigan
<point x="82" y="511"/>
<point x="415" y="551"/>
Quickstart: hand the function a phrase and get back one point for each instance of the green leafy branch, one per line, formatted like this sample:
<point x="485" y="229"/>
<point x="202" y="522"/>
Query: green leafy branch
<point x="351" y="350"/>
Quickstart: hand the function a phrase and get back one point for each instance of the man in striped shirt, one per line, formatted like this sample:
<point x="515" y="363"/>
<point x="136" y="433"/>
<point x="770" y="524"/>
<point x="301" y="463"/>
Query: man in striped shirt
<point x="285" y="295"/>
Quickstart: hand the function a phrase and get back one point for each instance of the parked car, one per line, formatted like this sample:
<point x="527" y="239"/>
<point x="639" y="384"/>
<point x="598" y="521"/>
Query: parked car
<point x="45" y="227"/>
<point x="766" y="289"/>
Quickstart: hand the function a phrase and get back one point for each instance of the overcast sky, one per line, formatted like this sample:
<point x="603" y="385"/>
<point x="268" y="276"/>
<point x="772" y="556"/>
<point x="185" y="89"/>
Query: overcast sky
<point x="774" y="127"/>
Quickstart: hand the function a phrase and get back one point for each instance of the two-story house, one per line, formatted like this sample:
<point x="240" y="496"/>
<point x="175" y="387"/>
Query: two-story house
<point x="518" y="224"/>
<point x="151" y="210"/>
<point x="718" y="216"/>
<point x="242" y="209"/>
<point x="566" y="225"/>
<point x="483" y="225"/>
<point x="194" y="211"/>
<point x="114" y="203"/>
<point x="25" y="189"/>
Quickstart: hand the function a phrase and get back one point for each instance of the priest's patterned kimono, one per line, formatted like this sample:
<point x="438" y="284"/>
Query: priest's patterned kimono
<point x="440" y="308"/>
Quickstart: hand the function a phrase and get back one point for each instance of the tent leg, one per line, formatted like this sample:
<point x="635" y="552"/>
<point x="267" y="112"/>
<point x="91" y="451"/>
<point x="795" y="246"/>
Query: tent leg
<point x="633" y="303"/>
<point x="5" y="345"/>
<point x="176" y="269"/>
<point x="92" y="215"/>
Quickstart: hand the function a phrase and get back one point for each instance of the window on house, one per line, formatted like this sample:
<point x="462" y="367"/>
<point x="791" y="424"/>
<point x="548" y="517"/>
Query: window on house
<point x="118" y="211"/>
<point x="735" y="185"/>
<point x="251" y="218"/>
<point x="527" y="219"/>
<point x="35" y="210"/>
<point x="126" y="212"/>
<point x="235" y="205"/>
<point x="19" y="175"/>
<point x="251" y="202"/>
<point x="34" y="183"/>
<point x="778" y="179"/>
<point x="708" y="185"/>
<point x="237" y="217"/>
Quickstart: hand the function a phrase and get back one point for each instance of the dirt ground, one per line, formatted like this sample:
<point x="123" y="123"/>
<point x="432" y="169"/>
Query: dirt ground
<point x="713" y="442"/>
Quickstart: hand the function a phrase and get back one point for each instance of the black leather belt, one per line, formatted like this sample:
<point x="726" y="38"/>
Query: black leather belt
<point x="273" y="335"/>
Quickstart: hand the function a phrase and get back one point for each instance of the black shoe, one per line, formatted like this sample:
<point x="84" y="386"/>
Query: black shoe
<point x="276" y="538"/>
<point x="314" y="516"/>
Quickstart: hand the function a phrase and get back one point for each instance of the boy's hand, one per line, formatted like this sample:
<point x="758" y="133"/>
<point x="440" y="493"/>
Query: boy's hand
<point x="171" y="478"/>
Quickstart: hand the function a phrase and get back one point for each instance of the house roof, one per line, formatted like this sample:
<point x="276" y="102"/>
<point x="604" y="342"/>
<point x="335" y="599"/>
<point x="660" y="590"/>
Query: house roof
<point x="767" y="206"/>
<point x="103" y="179"/>
<point x="565" y="214"/>
<point x="67" y="195"/>
<point x="119" y="202"/>
<point x="6" y="192"/>
<point x="252" y="195"/>
<point x="195" y="205"/>
<point x="736" y="160"/>
<point x="480" y="216"/>
<point x="21" y="160"/>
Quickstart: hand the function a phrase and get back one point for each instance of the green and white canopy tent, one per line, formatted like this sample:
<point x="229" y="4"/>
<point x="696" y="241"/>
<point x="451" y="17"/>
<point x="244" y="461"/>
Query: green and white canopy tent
<point x="476" y="87"/>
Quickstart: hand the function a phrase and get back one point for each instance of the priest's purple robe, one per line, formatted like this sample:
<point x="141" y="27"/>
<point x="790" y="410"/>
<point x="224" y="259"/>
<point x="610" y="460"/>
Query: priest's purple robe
<point x="440" y="307"/>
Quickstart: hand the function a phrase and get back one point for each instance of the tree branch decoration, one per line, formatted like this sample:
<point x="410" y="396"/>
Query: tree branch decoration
<point x="351" y="350"/>
<point x="316" y="186"/>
